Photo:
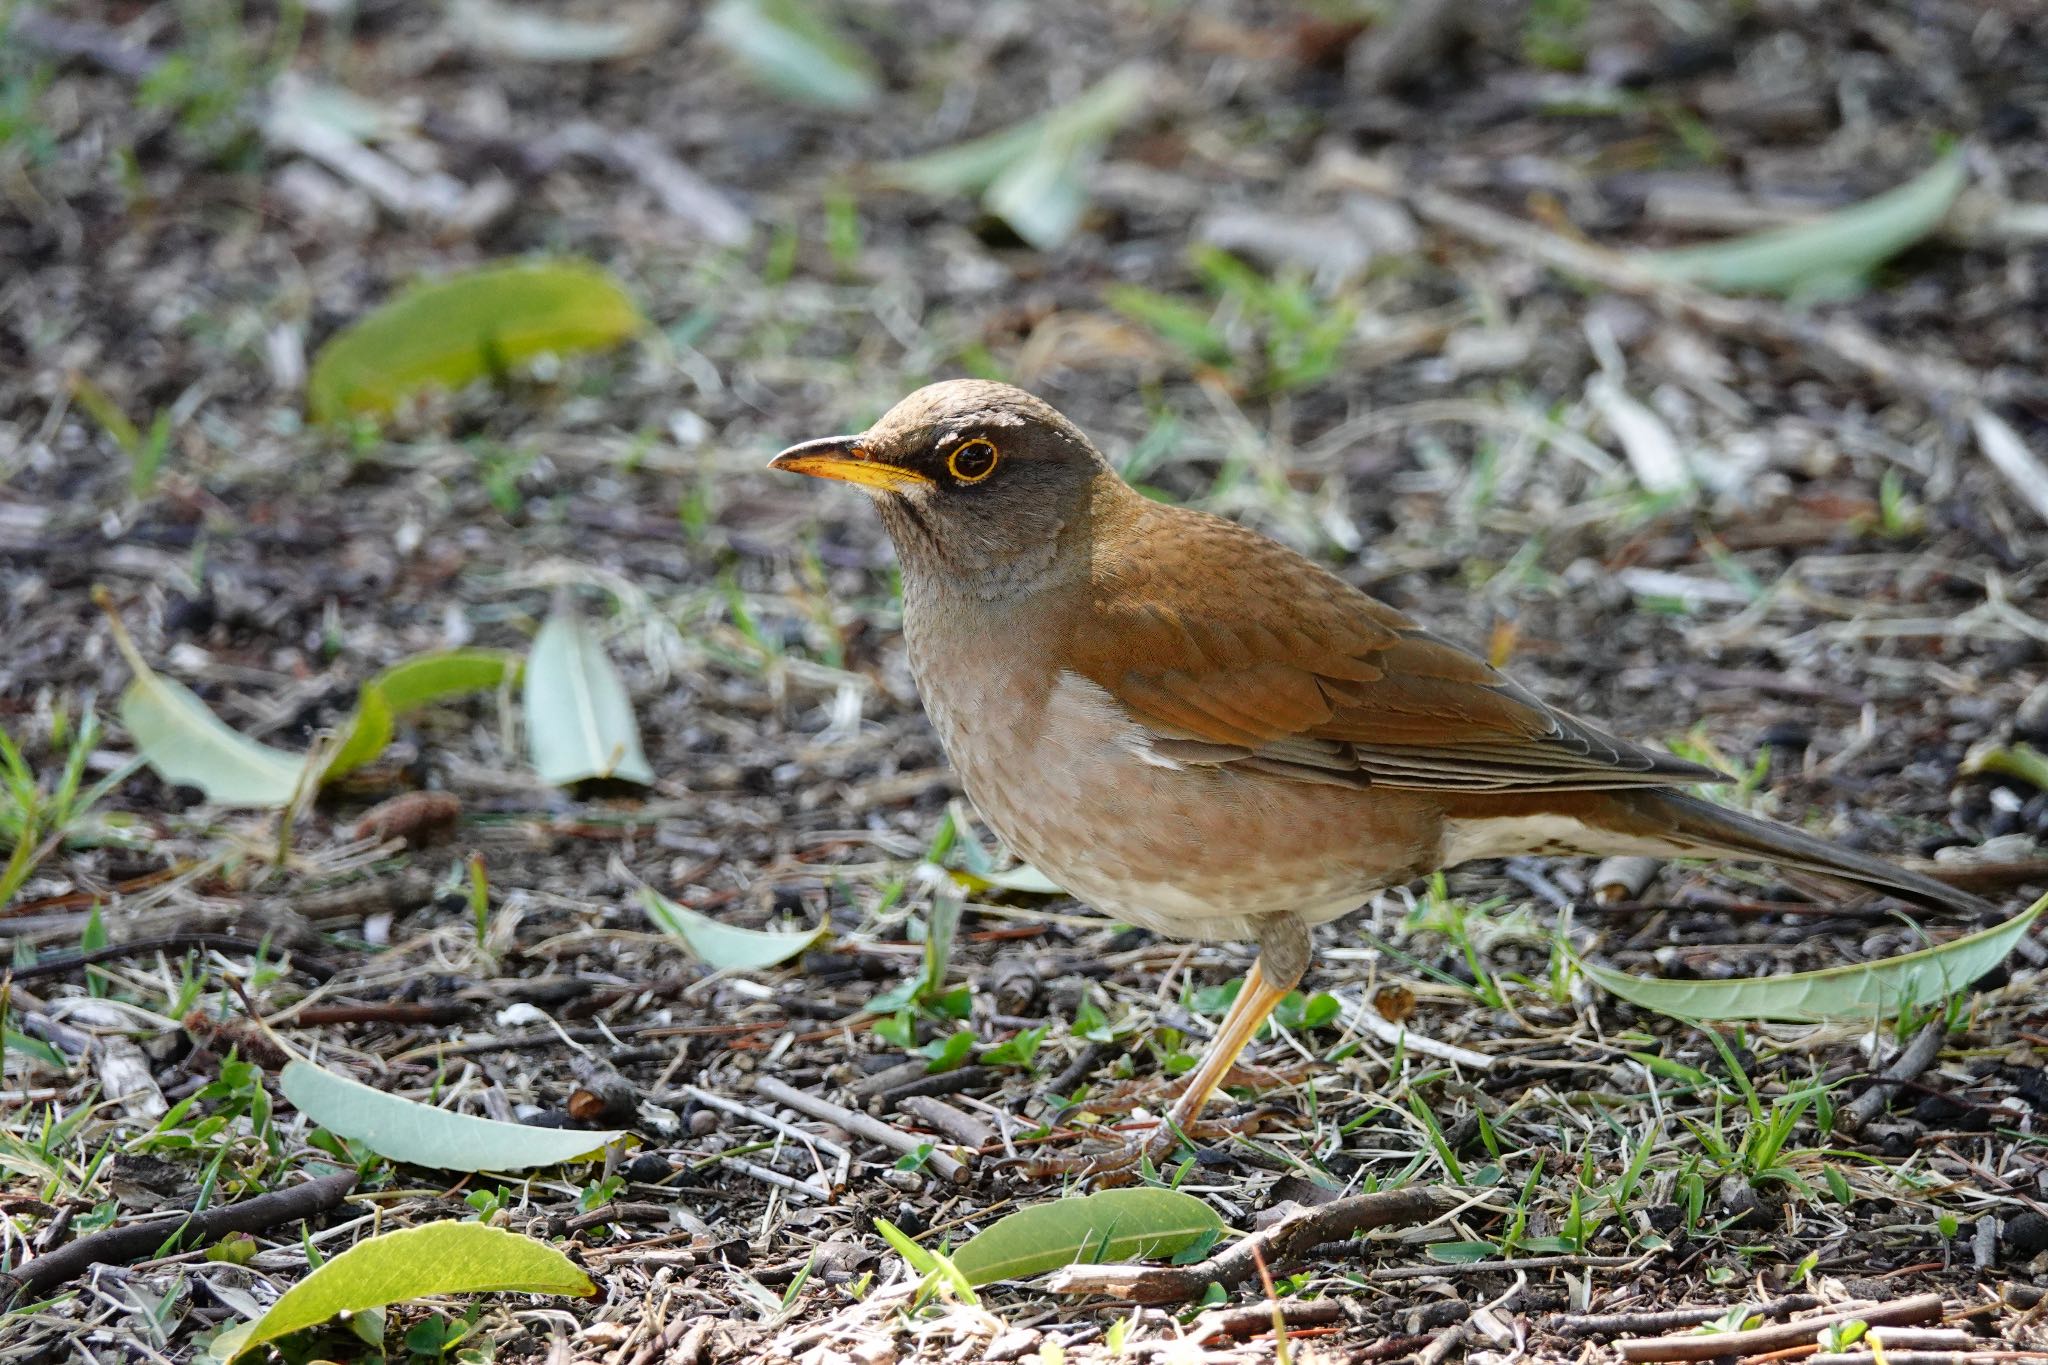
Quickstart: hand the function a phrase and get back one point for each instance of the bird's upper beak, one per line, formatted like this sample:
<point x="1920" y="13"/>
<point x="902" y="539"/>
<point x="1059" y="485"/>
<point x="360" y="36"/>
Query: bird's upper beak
<point x="844" y="458"/>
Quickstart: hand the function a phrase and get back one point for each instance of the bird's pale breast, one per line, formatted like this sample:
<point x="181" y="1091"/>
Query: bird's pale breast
<point x="1073" y="786"/>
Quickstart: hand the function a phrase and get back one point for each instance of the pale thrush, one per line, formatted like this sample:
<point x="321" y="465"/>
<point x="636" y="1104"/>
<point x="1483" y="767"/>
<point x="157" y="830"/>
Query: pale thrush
<point x="1194" y="729"/>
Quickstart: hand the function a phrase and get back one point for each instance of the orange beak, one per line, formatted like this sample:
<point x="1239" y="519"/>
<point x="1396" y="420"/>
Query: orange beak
<point x="843" y="458"/>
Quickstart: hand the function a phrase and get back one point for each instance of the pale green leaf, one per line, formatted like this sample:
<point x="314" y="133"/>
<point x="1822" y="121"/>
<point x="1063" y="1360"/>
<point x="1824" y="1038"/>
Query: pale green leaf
<point x="1023" y="879"/>
<point x="531" y="34"/>
<point x="1822" y="255"/>
<point x="411" y="1263"/>
<point x="187" y="744"/>
<point x="2019" y="759"/>
<point x="1861" y="991"/>
<point x="421" y="1135"/>
<point x="1461" y="1253"/>
<point x="579" y="721"/>
<point x="448" y="333"/>
<point x="1033" y="176"/>
<point x="726" y="947"/>
<point x="415" y="682"/>
<point x="790" y="48"/>
<point x="1112" y="1225"/>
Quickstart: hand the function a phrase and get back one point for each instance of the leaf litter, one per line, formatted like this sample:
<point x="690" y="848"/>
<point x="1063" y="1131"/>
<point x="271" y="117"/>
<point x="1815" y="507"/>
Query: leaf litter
<point x="1847" y="601"/>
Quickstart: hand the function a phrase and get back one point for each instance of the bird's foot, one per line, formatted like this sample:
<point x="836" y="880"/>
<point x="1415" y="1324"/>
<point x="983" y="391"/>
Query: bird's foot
<point x="1135" y="1145"/>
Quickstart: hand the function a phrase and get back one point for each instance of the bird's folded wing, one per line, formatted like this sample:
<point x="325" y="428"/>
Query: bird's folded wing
<point x="1281" y="668"/>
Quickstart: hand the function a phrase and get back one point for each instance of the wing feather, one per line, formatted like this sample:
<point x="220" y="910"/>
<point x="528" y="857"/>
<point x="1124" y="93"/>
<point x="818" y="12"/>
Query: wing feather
<point x="1286" y="670"/>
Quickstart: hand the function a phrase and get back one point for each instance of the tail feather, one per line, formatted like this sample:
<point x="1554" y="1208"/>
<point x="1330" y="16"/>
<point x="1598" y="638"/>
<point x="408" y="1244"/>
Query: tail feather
<point x="1702" y="828"/>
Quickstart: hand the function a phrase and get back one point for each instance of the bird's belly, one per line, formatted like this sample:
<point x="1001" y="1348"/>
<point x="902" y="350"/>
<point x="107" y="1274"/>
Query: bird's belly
<point x="1194" y="851"/>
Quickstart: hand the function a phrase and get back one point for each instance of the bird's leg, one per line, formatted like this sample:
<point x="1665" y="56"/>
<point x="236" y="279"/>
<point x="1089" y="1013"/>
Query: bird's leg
<point x="1283" y="956"/>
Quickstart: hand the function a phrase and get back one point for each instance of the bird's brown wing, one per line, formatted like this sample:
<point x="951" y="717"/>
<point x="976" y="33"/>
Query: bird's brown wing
<point x="1276" y="666"/>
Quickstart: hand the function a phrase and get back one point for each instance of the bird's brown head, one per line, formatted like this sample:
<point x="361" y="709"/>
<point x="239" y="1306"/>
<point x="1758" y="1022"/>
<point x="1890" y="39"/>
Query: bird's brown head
<point x="975" y="480"/>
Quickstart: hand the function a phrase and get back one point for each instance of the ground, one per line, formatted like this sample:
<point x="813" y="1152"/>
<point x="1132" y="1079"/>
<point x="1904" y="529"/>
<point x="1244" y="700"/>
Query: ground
<point x="1789" y="535"/>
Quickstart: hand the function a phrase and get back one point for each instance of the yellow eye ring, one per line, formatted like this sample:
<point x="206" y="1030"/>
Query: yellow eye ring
<point x="972" y="461"/>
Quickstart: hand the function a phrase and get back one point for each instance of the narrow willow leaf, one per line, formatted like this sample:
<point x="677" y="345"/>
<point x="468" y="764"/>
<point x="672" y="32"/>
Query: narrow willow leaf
<point x="451" y="332"/>
<point x="1023" y="879"/>
<point x="2021" y="760"/>
<point x="790" y="48"/>
<point x="1823" y="255"/>
<point x="1033" y="176"/>
<point x="187" y="744"/>
<point x="409" y="1264"/>
<point x="579" y="721"/>
<point x="1461" y="1253"/>
<point x="421" y="1135"/>
<point x="726" y="947"/>
<point x="1861" y="991"/>
<point x="529" y="34"/>
<point x="1113" y="1225"/>
<point x="415" y="682"/>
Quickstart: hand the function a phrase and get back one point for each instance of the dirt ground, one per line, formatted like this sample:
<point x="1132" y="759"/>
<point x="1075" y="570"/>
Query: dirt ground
<point x="1846" y="598"/>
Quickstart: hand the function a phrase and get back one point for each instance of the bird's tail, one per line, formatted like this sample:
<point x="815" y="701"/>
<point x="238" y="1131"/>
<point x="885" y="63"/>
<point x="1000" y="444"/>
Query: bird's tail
<point x="1699" y="828"/>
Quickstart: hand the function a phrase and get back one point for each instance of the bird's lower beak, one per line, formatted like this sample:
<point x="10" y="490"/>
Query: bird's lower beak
<point x="843" y="458"/>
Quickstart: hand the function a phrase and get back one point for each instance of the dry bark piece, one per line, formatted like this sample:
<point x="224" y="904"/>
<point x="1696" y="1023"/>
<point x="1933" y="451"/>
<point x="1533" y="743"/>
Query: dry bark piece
<point x="418" y="818"/>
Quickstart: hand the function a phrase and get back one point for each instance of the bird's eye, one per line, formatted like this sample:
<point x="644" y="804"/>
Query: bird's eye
<point x="972" y="461"/>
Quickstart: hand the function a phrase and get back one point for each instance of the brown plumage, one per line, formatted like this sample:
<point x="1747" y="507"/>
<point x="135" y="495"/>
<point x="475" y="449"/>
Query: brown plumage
<point x="1195" y="729"/>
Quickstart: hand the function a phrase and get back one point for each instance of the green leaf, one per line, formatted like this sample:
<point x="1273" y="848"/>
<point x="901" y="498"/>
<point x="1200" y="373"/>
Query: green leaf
<point x="412" y="683"/>
<point x="531" y="34"/>
<point x="412" y="1263"/>
<point x="787" y="46"/>
<point x="1863" y="990"/>
<point x="918" y="1259"/>
<point x="1112" y="1225"/>
<point x="1023" y="879"/>
<point x="452" y="332"/>
<point x="726" y="947"/>
<point x="421" y="1135"/>
<point x="2021" y="760"/>
<point x="579" y="721"/>
<point x="187" y="744"/>
<point x="1823" y="255"/>
<point x="1461" y="1253"/>
<point x="1033" y="176"/>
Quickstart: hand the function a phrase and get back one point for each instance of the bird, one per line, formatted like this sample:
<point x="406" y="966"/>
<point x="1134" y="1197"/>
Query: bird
<point x="1194" y="729"/>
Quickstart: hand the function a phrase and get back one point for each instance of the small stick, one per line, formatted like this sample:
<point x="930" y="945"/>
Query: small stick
<point x="714" y="1100"/>
<point x="63" y="964"/>
<point x="1986" y="1357"/>
<point x="1282" y="1245"/>
<point x="1755" y="1341"/>
<point x="135" y="1241"/>
<point x="1223" y="1324"/>
<point x="1668" y="1319"/>
<point x="1424" y="1272"/>
<point x="859" y="1124"/>
<point x="962" y="1127"/>
<point x="768" y="1175"/>
<point x="1918" y="1056"/>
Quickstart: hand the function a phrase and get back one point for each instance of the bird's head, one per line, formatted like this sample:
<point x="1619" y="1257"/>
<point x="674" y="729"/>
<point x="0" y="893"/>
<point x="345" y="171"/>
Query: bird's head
<point x="974" y="479"/>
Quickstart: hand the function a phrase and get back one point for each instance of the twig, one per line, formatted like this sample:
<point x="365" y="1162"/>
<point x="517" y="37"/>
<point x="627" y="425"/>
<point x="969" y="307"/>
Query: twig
<point x="63" y="964"/>
<point x="714" y="1100"/>
<point x="1920" y="1357"/>
<point x="768" y="1175"/>
<point x="956" y="1124"/>
<point x="138" y="1240"/>
<point x="1282" y="1245"/>
<point x="859" y="1124"/>
<point x="1223" y="1324"/>
<point x="1666" y="1319"/>
<point x="1907" y="1066"/>
<point x="1366" y="1019"/>
<point x="1426" y="1272"/>
<point x="1713" y="1345"/>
